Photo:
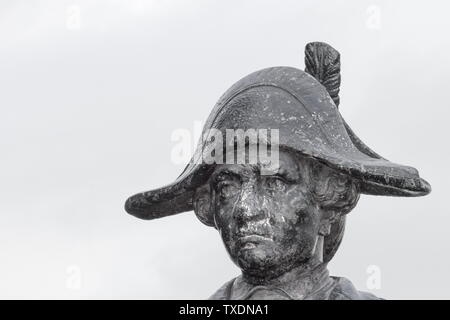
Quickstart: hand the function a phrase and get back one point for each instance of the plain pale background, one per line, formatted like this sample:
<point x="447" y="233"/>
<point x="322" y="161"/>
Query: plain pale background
<point x="92" y="91"/>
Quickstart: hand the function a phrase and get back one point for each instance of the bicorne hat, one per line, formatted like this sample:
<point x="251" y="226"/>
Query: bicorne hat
<point x="303" y="106"/>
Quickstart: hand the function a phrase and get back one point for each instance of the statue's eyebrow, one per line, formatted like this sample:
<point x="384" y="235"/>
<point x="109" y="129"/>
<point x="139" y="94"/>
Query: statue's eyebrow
<point x="223" y="174"/>
<point x="288" y="174"/>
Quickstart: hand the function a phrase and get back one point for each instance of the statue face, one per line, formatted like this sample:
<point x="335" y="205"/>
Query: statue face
<point x="269" y="223"/>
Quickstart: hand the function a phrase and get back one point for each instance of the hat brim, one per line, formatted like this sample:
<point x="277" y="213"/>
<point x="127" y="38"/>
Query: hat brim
<point x="324" y="136"/>
<point x="178" y="197"/>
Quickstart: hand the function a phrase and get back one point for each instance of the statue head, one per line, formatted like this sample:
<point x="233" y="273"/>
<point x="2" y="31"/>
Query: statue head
<point x="286" y="206"/>
<point x="272" y="223"/>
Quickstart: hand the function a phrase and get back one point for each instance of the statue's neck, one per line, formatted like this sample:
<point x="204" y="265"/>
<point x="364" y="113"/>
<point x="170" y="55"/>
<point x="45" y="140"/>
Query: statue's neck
<point x="298" y="283"/>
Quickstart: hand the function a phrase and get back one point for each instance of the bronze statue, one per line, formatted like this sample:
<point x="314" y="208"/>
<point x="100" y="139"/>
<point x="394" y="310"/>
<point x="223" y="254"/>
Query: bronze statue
<point x="281" y="220"/>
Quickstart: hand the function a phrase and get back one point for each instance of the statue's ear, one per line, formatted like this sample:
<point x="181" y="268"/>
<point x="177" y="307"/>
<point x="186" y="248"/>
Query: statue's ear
<point x="202" y="205"/>
<point x="325" y="227"/>
<point x="327" y="222"/>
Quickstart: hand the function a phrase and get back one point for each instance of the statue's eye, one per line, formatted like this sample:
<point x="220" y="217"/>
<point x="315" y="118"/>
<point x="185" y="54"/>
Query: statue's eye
<point x="275" y="184"/>
<point x="227" y="189"/>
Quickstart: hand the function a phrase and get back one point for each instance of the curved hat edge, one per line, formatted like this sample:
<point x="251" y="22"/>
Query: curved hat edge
<point x="177" y="197"/>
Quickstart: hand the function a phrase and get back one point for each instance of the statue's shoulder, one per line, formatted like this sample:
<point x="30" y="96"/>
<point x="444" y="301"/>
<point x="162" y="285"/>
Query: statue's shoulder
<point x="345" y="290"/>
<point x="224" y="291"/>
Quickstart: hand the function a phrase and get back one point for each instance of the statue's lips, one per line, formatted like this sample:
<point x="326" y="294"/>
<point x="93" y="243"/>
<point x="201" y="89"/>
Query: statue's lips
<point x="246" y="240"/>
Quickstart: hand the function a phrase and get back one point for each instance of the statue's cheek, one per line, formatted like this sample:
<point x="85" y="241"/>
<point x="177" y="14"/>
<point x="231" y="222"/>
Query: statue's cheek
<point x="224" y="220"/>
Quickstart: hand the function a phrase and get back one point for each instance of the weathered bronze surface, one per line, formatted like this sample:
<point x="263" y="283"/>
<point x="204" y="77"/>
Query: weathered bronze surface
<point x="282" y="227"/>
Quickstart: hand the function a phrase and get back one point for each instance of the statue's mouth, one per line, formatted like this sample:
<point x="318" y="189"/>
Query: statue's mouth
<point x="250" y="241"/>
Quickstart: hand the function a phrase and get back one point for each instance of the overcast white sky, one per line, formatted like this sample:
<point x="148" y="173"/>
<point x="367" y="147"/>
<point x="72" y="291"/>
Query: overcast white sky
<point x="91" y="92"/>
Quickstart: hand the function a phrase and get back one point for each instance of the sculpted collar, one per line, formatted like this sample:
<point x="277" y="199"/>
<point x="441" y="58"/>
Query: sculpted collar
<point x="314" y="284"/>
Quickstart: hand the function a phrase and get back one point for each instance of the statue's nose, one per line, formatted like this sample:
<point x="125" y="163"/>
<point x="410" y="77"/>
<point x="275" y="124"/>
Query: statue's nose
<point x="249" y="206"/>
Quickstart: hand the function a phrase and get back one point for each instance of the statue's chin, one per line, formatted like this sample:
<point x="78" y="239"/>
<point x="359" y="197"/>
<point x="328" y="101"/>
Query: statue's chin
<point x="257" y="261"/>
<point x="266" y="261"/>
